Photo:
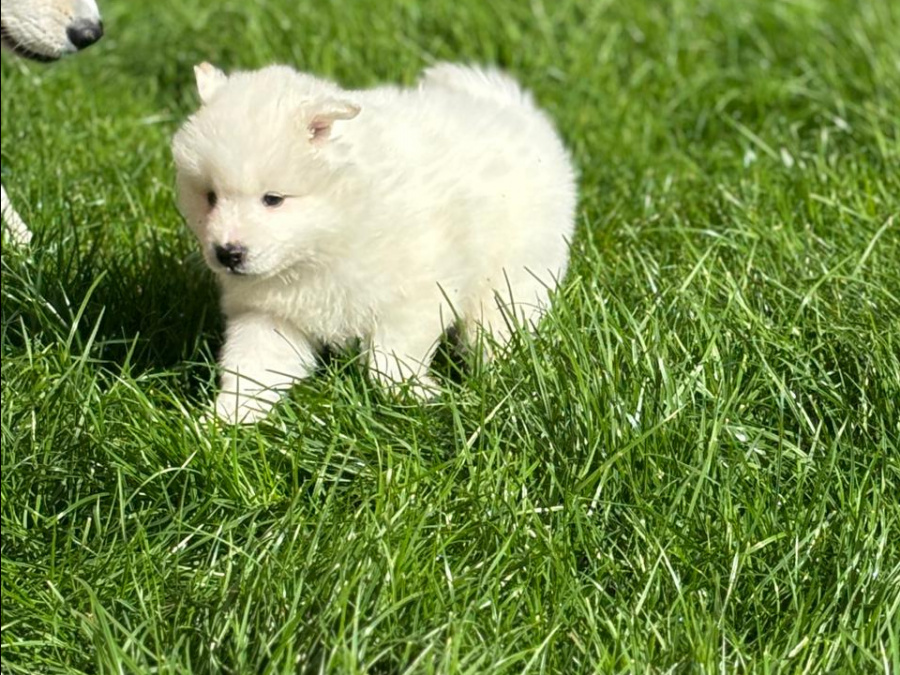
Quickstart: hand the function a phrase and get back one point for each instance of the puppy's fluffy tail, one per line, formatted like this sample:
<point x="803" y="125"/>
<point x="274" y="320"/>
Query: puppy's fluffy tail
<point x="485" y="83"/>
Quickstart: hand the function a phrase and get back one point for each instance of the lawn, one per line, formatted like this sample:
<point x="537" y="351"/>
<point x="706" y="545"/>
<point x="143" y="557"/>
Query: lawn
<point x="693" y="465"/>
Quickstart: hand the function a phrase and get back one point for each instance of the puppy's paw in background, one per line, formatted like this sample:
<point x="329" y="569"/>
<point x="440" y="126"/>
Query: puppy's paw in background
<point x="421" y="388"/>
<point x="401" y="379"/>
<point x="13" y="226"/>
<point x="231" y="408"/>
<point x="399" y="359"/>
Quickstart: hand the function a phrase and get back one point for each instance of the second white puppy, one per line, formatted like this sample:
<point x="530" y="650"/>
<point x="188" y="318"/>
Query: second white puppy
<point x="386" y="215"/>
<point x="44" y="30"/>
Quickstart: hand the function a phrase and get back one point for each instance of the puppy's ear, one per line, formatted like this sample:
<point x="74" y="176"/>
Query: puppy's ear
<point x="326" y="114"/>
<point x="209" y="80"/>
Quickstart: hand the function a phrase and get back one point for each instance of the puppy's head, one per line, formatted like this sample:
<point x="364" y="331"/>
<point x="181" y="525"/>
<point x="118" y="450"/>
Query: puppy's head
<point x="258" y="167"/>
<point x="45" y="30"/>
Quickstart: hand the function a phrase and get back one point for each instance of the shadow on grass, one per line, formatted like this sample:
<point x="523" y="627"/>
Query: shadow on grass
<point x="149" y="307"/>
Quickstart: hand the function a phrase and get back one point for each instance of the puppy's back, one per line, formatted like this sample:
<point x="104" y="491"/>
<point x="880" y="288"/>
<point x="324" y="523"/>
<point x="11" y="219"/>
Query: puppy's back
<point x="477" y="82"/>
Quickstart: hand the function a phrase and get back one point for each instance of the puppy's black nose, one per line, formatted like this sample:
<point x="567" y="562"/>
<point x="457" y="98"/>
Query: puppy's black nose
<point x="84" y="32"/>
<point x="231" y="256"/>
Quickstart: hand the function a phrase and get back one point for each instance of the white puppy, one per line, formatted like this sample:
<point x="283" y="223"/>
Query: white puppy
<point x="44" y="30"/>
<point x="386" y="215"/>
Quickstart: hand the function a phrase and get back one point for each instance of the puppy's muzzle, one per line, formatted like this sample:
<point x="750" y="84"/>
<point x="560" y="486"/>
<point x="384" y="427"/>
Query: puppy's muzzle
<point x="231" y="256"/>
<point x="84" y="32"/>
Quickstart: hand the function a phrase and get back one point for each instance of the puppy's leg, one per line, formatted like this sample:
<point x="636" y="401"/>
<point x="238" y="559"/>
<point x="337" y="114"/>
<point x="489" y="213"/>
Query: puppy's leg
<point x="486" y="326"/>
<point x="18" y="231"/>
<point x="261" y="358"/>
<point x="489" y="322"/>
<point x="401" y="352"/>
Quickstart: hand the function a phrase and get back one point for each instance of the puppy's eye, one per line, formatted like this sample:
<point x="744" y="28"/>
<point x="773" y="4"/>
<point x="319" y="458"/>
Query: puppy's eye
<point x="273" y="199"/>
<point x="211" y="199"/>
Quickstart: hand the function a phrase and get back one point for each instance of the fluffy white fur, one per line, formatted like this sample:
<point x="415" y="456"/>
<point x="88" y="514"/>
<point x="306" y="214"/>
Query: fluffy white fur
<point x="404" y="211"/>
<point x="44" y="30"/>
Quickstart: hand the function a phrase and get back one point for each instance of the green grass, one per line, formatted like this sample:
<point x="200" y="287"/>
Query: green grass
<point x="693" y="467"/>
